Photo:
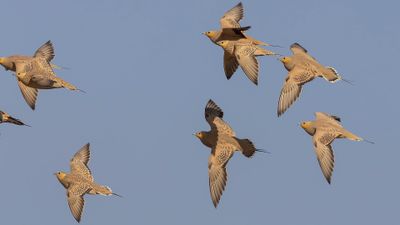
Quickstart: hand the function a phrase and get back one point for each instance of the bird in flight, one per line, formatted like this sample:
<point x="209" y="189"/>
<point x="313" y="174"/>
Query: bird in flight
<point x="324" y="130"/>
<point x="80" y="182"/>
<point x="223" y="143"/>
<point x="302" y="69"/>
<point x="35" y="72"/>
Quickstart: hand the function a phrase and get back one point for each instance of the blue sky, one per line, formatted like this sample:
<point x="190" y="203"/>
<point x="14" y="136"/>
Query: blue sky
<point x="148" y="73"/>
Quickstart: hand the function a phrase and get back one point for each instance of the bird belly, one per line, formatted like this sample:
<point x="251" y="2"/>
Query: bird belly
<point x="43" y="83"/>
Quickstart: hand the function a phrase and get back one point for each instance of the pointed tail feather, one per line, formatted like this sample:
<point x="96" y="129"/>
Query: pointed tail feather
<point x="352" y="136"/>
<point x="262" y="51"/>
<point x="103" y="190"/>
<point x="333" y="76"/>
<point x="69" y="86"/>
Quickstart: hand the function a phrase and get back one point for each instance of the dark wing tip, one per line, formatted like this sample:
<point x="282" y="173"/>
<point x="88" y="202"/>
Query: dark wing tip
<point x="297" y="45"/>
<point x="213" y="109"/>
<point x="337" y="118"/>
<point x="328" y="179"/>
<point x="239" y="30"/>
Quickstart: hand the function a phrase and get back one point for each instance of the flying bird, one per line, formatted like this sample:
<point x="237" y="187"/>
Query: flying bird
<point x="6" y="118"/>
<point x="230" y="27"/>
<point x="232" y="31"/>
<point x="223" y="143"/>
<point x="242" y="53"/>
<point x="302" y="68"/>
<point x="35" y="72"/>
<point x="80" y="182"/>
<point x="325" y="129"/>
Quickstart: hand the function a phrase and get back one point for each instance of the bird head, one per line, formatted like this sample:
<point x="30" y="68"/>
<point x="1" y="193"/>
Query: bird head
<point x="287" y="62"/>
<point x="2" y="60"/>
<point x="285" y="59"/>
<point x="223" y="44"/>
<point x="211" y="34"/>
<point x="60" y="175"/>
<point x="200" y="135"/>
<point x="308" y="126"/>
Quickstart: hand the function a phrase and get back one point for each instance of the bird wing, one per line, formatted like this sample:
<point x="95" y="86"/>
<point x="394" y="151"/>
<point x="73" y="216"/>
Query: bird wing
<point x="75" y="199"/>
<point x="29" y="94"/>
<point x="5" y="117"/>
<point x="292" y="88"/>
<point x="232" y="17"/>
<point x="214" y="114"/>
<point x="322" y="145"/>
<point x="217" y="161"/>
<point x="247" y="61"/>
<point x="230" y="64"/>
<point x="297" y="49"/>
<point x="45" y="51"/>
<point x="212" y="110"/>
<point x="79" y="163"/>
<point x="325" y="117"/>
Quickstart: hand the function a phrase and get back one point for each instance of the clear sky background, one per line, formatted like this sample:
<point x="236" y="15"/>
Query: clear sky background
<point x="148" y="73"/>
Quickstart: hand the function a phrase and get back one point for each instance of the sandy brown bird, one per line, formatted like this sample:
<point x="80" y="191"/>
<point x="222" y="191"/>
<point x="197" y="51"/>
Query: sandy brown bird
<point x="231" y="31"/>
<point x="302" y="68"/>
<point x="80" y="182"/>
<point x="35" y="72"/>
<point x="242" y="53"/>
<point x="6" y="118"/>
<point x="325" y="129"/>
<point x="230" y="27"/>
<point x="223" y="143"/>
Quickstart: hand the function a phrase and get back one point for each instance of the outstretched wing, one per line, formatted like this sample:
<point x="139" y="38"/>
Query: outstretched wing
<point x="213" y="115"/>
<point x="232" y="17"/>
<point x="29" y="94"/>
<point x="79" y="162"/>
<point x="292" y="88"/>
<point x="75" y="199"/>
<point x="230" y="64"/>
<point x="325" y="117"/>
<point x="217" y="161"/>
<point x="45" y="51"/>
<point x="247" y="61"/>
<point x="322" y="146"/>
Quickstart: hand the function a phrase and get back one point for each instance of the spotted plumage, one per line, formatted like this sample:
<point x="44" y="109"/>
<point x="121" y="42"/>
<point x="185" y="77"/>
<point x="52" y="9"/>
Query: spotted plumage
<point x="80" y="182"/>
<point x="325" y="129"/>
<point x="231" y="30"/>
<point x="35" y="72"/>
<point x="302" y="69"/>
<point x="242" y="53"/>
<point x="223" y="143"/>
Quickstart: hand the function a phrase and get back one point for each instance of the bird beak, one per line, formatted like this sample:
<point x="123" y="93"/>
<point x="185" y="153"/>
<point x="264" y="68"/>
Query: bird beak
<point x="203" y="33"/>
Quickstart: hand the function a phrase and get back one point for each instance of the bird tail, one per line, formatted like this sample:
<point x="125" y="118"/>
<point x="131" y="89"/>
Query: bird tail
<point x="258" y="42"/>
<point x="104" y="190"/>
<point x="331" y="75"/>
<point x="351" y="136"/>
<point x="69" y="86"/>
<point x="247" y="147"/>
<point x="261" y="51"/>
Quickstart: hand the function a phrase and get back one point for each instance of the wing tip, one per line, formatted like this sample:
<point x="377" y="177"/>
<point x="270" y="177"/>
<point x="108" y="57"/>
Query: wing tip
<point x="297" y="45"/>
<point x="213" y="108"/>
